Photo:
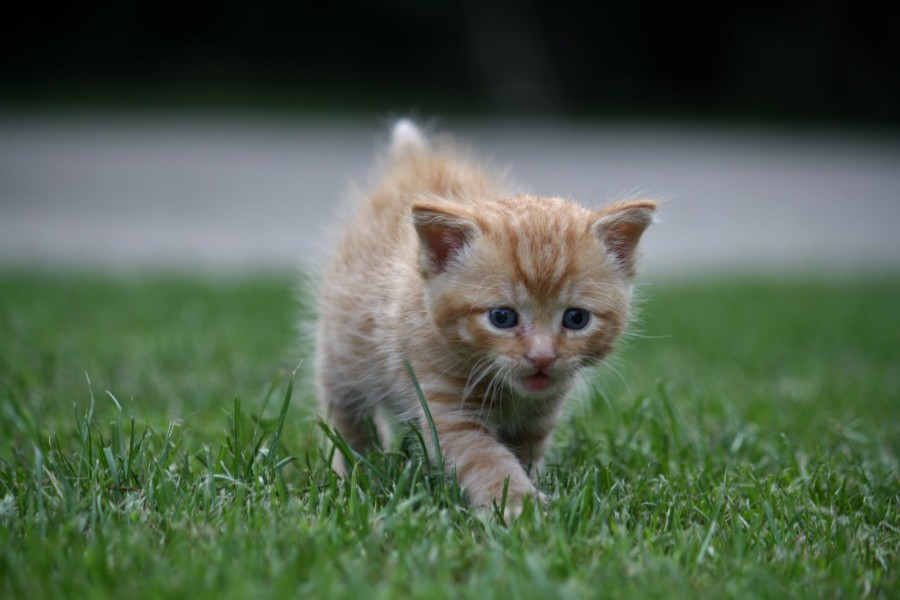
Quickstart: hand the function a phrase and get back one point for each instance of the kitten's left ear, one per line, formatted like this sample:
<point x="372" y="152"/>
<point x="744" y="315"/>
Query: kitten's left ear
<point x="443" y="234"/>
<point x="620" y="227"/>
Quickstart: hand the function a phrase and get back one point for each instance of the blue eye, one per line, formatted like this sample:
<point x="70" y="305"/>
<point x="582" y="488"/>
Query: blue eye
<point x="576" y="318"/>
<point x="503" y="318"/>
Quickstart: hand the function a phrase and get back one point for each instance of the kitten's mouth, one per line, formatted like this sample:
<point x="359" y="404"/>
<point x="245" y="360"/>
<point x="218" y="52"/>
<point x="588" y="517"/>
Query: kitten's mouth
<point x="536" y="382"/>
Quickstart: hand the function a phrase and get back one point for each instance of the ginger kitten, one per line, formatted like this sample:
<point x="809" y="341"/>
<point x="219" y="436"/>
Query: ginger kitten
<point x="497" y="300"/>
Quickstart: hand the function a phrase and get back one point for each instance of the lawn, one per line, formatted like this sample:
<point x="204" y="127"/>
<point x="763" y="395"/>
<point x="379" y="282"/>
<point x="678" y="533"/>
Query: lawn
<point x="743" y="444"/>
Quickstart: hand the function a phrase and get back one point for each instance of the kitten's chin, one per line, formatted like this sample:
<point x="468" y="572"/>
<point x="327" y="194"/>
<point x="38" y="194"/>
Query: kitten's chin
<point x="539" y="384"/>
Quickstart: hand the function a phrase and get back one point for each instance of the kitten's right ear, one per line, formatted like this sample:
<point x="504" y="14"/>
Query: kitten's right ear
<point x="442" y="235"/>
<point x="620" y="227"/>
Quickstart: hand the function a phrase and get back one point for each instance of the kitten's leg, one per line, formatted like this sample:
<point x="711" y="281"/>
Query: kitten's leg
<point x="351" y="419"/>
<point x="481" y="461"/>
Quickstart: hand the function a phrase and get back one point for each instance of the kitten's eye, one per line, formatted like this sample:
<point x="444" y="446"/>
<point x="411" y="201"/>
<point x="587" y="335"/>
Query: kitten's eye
<point x="503" y="318"/>
<point x="576" y="318"/>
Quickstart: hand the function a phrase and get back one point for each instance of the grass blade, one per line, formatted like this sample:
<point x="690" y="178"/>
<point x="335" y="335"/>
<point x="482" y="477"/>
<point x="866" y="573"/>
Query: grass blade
<point x="439" y="457"/>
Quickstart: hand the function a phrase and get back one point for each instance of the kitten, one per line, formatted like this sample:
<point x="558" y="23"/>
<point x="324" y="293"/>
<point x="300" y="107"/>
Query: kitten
<point x="498" y="301"/>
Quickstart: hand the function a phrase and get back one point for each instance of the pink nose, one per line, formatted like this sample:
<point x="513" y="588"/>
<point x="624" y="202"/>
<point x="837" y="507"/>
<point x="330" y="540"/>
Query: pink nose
<point x="541" y="361"/>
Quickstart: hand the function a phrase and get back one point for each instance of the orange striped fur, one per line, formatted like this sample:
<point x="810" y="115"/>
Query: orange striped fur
<point x="435" y="246"/>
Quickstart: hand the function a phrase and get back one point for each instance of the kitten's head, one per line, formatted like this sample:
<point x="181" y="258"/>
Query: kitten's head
<point x="529" y="290"/>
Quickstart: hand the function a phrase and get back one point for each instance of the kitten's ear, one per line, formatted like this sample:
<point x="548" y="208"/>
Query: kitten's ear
<point x="442" y="234"/>
<point x="620" y="226"/>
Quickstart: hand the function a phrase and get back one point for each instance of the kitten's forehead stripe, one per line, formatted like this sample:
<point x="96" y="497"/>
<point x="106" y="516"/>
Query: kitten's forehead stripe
<point x="543" y="246"/>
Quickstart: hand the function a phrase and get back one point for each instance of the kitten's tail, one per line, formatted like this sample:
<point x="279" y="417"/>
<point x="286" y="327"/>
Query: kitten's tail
<point x="407" y="138"/>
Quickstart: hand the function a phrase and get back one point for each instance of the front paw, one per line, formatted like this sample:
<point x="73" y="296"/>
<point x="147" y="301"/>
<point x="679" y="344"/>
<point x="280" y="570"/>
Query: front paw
<point x="487" y="505"/>
<point x="514" y="506"/>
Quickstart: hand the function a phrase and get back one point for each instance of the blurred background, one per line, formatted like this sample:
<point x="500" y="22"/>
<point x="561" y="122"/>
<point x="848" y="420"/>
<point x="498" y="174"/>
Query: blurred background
<point x="224" y="134"/>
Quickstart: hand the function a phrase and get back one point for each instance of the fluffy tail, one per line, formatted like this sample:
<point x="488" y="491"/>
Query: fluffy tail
<point x="407" y="138"/>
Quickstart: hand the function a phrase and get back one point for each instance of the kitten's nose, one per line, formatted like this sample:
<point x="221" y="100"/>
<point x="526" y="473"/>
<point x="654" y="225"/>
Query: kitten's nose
<point x="541" y="361"/>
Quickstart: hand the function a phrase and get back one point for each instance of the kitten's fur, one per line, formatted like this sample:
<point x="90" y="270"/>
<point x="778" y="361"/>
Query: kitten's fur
<point x="435" y="246"/>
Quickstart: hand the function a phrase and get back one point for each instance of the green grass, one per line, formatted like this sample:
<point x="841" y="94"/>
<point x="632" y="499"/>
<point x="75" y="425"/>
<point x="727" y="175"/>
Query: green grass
<point x="744" y="445"/>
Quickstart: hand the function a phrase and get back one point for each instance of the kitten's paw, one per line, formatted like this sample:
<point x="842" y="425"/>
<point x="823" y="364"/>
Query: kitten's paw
<point x="515" y="504"/>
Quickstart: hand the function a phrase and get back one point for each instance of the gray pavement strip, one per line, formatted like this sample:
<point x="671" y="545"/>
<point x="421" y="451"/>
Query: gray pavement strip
<point x="237" y="193"/>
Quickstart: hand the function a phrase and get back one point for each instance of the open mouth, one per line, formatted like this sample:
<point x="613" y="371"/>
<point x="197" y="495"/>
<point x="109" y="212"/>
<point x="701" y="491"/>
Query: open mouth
<point x="536" y="382"/>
